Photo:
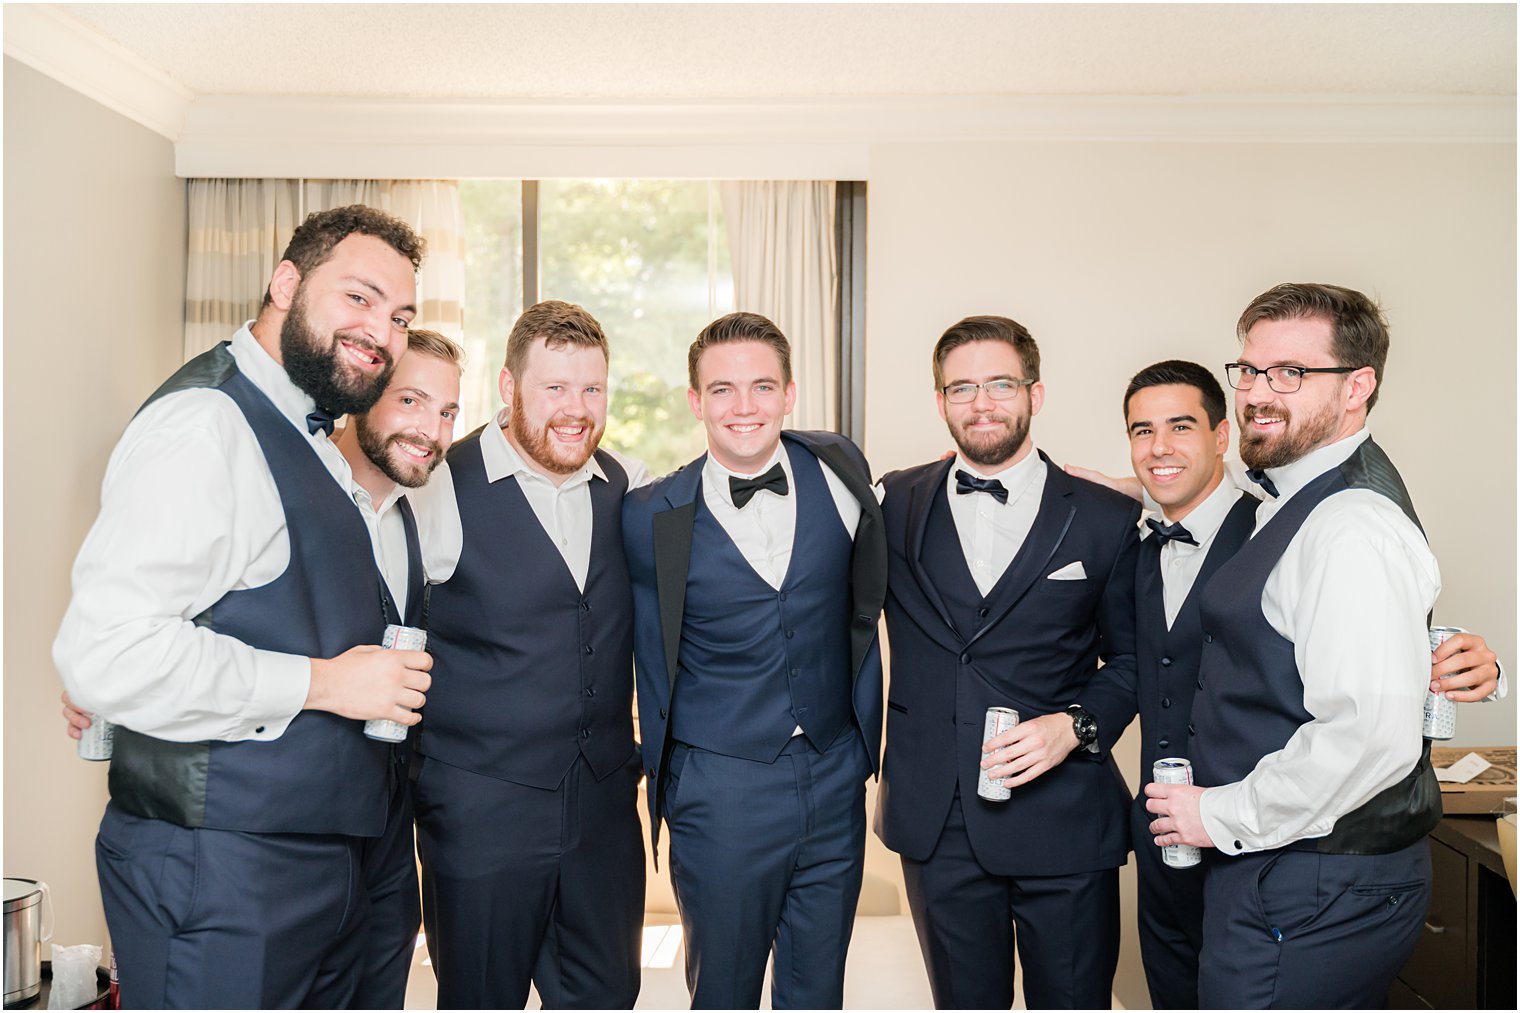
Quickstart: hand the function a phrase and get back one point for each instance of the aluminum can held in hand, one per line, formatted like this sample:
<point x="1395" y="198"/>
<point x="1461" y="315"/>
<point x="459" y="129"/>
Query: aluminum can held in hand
<point x="97" y="741"/>
<point x="999" y="720"/>
<point x="1440" y="713"/>
<point x="397" y="638"/>
<point x="1176" y="770"/>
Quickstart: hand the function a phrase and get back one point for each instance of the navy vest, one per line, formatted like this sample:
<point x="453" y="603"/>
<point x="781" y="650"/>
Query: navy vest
<point x="755" y="662"/>
<point x="1168" y="659"/>
<point x="529" y="672"/>
<point x="322" y="775"/>
<point x="1252" y="698"/>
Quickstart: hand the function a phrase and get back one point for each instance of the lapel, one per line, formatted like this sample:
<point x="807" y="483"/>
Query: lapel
<point x="1057" y="508"/>
<point x="920" y="497"/>
<point x="868" y="555"/>
<point x="1150" y="593"/>
<point x="672" y="556"/>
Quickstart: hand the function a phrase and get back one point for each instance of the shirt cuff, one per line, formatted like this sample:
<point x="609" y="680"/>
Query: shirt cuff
<point x="1215" y="806"/>
<point x="283" y="682"/>
<point x="1502" y="689"/>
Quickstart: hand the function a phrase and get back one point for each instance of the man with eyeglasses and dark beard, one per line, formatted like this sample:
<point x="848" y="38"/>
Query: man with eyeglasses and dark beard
<point x="226" y="617"/>
<point x="1008" y="581"/>
<point x="526" y="771"/>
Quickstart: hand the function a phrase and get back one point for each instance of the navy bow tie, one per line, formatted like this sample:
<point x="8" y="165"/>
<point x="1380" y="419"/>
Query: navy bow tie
<point x="1170" y="532"/>
<point x="965" y="482"/>
<point x="742" y="490"/>
<point x="320" y="418"/>
<point x="1260" y="478"/>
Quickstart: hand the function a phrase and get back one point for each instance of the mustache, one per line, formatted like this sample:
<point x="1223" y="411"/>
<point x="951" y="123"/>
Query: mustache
<point x="364" y="344"/>
<point x="1252" y="413"/>
<point x="417" y="440"/>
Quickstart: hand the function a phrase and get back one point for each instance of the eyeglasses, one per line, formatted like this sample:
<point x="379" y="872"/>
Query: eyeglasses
<point x="1282" y="379"/>
<point x="997" y="390"/>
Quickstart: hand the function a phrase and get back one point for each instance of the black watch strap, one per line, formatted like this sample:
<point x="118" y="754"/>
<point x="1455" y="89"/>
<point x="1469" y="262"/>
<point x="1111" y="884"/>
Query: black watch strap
<point x="1084" y="725"/>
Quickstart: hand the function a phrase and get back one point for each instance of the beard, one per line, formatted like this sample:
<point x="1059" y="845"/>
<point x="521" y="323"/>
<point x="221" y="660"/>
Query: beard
<point x="396" y="466"/>
<point x="315" y="366"/>
<point x="991" y="449"/>
<point x="536" y="443"/>
<point x="1268" y="450"/>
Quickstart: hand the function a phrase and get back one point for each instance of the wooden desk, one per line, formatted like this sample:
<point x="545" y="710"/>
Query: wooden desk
<point x="1465" y="958"/>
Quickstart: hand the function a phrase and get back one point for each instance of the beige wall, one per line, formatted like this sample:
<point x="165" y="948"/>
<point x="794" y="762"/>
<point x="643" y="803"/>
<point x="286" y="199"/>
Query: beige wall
<point x="1116" y="255"/>
<point x="94" y="294"/>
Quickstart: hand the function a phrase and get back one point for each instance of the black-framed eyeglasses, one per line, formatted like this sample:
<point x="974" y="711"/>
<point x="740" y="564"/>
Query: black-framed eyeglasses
<point x="997" y="390"/>
<point x="1283" y="379"/>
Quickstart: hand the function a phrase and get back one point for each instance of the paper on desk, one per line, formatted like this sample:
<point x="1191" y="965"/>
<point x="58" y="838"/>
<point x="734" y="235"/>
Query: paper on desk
<point x="1464" y="770"/>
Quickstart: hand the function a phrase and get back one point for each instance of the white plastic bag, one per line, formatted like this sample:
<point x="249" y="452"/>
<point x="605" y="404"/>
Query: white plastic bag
<point x="74" y="981"/>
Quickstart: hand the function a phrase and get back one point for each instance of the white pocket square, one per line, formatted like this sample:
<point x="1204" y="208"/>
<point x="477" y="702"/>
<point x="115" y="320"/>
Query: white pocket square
<point x="1071" y="571"/>
<point x="881" y="493"/>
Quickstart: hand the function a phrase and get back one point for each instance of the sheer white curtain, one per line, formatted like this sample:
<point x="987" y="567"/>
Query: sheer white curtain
<point x="239" y="228"/>
<point x="781" y="243"/>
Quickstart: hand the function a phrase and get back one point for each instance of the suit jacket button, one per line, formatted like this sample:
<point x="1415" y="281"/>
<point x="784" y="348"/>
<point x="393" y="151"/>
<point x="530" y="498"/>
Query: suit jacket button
<point x="1166" y="701"/>
<point x="1166" y="662"/>
<point x="1191" y="729"/>
<point x="1164" y="743"/>
<point x="1200" y="682"/>
<point x="965" y="659"/>
<point x="662" y="714"/>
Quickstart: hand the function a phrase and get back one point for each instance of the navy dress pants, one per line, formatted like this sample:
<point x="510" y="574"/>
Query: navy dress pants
<point x="1066" y="929"/>
<point x="531" y="887"/>
<point x="1170" y="917"/>
<point x="766" y="860"/>
<point x="218" y="919"/>
<point x="390" y="879"/>
<point x="1299" y="930"/>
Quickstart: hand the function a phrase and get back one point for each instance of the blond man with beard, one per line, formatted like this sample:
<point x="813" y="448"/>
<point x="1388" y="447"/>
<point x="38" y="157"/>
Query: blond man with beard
<point x="526" y="772"/>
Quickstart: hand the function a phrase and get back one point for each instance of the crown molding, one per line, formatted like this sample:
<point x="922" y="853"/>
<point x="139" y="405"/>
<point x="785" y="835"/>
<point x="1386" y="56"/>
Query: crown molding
<point x="776" y="139"/>
<point x="54" y="43"/>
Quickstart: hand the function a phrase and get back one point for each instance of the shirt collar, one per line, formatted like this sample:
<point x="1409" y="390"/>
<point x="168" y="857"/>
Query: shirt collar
<point x="715" y="477"/>
<point x="270" y="377"/>
<point x="502" y="460"/>
<point x="1292" y="477"/>
<point x="1205" y="519"/>
<point x="1016" y="478"/>
<point x="362" y="497"/>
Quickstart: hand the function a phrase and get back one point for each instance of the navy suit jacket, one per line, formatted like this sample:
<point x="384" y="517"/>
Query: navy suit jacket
<point x="1037" y="651"/>
<point x="657" y="533"/>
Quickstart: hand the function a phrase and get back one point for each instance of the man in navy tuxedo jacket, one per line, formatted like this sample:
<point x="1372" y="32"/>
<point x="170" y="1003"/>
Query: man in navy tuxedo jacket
<point x="758" y="575"/>
<point x="1008" y="582"/>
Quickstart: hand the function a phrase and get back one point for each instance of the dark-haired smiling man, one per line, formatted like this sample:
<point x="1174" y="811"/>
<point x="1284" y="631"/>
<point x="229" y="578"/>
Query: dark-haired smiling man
<point x="226" y="616"/>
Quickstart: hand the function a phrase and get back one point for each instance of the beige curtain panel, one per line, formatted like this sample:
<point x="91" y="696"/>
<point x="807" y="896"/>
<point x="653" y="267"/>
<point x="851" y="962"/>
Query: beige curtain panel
<point x="781" y="244"/>
<point x="239" y="228"/>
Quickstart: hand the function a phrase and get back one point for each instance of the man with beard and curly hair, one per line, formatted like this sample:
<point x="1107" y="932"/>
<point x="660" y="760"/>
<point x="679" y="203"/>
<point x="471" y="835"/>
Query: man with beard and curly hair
<point x="1009" y="580"/>
<point x="226" y="616"/>
<point x="526" y="770"/>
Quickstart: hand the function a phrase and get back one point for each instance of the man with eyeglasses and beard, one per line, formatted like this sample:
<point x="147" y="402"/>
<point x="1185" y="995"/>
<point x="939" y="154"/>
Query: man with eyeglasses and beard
<point x="526" y="770"/>
<point x="1009" y="580"/>
<point x="1306" y="725"/>
<point x="226" y="616"/>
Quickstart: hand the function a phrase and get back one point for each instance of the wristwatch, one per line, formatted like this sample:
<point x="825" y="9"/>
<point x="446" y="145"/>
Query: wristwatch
<point x="1085" y="726"/>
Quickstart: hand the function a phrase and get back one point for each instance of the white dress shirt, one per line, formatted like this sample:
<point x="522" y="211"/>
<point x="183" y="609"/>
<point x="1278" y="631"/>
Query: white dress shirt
<point x="765" y="528"/>
<point x="991" y="533"/>
<point x="188" y="512"/>
<point x="1180" y="562"/>
<point x="563" y="510"/>
<point x="387" y="532"/>
<point x="1351" y="593"/>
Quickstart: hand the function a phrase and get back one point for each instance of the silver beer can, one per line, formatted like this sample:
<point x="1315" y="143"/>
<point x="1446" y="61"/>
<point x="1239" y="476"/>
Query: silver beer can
<point x="1440" y="713"/>
<point x="1176" y="770"/>
<point x="999" y="720"/>
<point x="397" y="638"/>
<point x="97" y="741"/>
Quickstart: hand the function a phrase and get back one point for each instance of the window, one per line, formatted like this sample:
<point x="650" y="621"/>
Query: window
<point x="648" y="259"/>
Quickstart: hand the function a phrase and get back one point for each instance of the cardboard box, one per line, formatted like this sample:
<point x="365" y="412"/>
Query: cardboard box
<point x="1486" y="792"/>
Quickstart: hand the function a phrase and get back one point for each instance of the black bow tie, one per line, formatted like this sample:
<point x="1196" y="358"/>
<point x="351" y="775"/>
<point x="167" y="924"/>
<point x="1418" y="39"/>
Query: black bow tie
<point x="1260" y="478"/>
<point x="966" y="482"/>
<point x="320" y="418"/>
<point x="1170" y="532"/>
<point x="742" y="490"/>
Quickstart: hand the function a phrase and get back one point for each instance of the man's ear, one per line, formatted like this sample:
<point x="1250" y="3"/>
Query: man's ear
<point x="283" y="285"/>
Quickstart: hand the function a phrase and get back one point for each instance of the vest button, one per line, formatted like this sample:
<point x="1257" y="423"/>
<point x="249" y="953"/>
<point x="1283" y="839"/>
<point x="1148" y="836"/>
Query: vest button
<point x="1191" y="729"/>
<point x="662" y="713"/>
<point x="790" y="634"/>
<point x="1166" y="701"/>
<point x="783" y="596"/>
<point x="1208" y="638"/>
<point x="585" y="606"/>
<point x="590" y="692"/>
<point x="1164" y="743"/>
<point x="965" y="659"/>
<point x="1166" y="662"/>
<point x="796" y="672"/>
<point x="1200" y="682"/>
<point x="982" y="613"/>
<point x="589" y="649"/>
<point x="585" y="733"/>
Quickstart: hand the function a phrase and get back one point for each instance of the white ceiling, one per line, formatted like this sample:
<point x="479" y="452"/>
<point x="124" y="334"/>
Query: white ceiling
<point x="703" y="51"/>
